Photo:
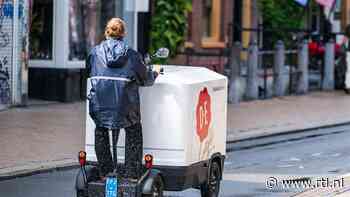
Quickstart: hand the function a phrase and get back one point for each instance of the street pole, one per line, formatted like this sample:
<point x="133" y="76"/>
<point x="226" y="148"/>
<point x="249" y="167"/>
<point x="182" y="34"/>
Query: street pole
<point x="303" y="73"/>
<point x="328" y="71"/>
<point x="279" y="68"/>
<point x="252" y="91"/>
<point x="234" y="86"/>
<point x="347" y="73"/>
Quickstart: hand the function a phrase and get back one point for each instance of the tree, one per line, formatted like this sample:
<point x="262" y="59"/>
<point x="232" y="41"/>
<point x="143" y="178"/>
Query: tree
<point x="169" y="24"/>
<point x="279" y="17"/>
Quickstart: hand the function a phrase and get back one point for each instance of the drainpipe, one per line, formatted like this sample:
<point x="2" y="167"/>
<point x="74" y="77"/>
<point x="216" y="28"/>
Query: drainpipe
<point x="15" y="74"/>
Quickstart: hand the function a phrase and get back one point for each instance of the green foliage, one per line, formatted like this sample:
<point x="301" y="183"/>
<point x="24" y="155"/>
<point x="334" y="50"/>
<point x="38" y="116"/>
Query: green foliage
<point x="281" y="14"/>
<point x="169" y="24"/>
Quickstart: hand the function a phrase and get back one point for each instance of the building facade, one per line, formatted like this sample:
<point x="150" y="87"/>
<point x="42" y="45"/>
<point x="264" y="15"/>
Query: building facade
<point x="44" y="43"/>
<point x="209" y="32"/>
<point x="13" y="52"/>
<point x="47" y="62"/>
<point x="214" y="25"/>
<point x="62" y="33"/>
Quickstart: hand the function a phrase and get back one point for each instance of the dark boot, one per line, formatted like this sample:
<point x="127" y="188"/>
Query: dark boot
<point x="103" y="153"/>
<point x="133" y="151"/>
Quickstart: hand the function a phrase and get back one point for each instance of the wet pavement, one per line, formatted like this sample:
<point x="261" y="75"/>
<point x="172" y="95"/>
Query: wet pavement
<point x="47" y="134"/>
<point x="246" y="171"/>
<point x="41" y="135"/>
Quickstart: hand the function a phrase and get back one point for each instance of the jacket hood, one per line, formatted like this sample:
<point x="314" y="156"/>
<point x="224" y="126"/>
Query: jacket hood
<point x="116" y="51"/>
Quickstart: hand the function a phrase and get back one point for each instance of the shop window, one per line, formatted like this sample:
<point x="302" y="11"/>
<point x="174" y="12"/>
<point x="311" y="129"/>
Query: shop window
<point x="82" y="28"/>
<point x="41" y="30"/>
<point x="211" y="20"/>
<point x="337" y="10"/>
<point x="86" y="25"/>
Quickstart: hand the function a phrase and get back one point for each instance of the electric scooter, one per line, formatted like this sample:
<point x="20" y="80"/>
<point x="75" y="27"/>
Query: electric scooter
<point x="184" y="138"/>
<point x="88" y="181"/>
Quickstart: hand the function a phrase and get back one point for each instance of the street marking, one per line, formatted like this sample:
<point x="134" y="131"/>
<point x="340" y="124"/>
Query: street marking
<point x="285" y="166"/>
<point x="316" y="154"/>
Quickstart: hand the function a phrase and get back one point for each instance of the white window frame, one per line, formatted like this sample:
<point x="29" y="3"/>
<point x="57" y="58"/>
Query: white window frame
<point x="38" y="63"/>
<point x="60" y="45"/>
<point x="70" y="63"/>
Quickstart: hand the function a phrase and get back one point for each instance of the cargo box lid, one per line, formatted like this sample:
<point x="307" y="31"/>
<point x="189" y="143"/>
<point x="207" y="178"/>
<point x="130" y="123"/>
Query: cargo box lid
<point x="187" y="75"/>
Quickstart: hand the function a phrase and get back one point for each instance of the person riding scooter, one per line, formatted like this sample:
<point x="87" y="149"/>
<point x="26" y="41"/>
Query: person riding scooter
<point x="116" y="72"/>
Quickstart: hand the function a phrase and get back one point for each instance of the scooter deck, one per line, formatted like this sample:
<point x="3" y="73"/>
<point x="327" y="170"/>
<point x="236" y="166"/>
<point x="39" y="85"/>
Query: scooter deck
<point x="126" y="188"/>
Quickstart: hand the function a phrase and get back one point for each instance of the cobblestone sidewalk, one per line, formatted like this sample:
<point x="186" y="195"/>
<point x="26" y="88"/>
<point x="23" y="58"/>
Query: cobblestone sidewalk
<point x="49" y="135"/>
<point x="287" y="114"/>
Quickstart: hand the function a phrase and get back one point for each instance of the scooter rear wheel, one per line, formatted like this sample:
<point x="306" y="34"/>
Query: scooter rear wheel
<point x="92" y="174"/>
<point x="212" y="188"/>
<point x="157" y="188"/>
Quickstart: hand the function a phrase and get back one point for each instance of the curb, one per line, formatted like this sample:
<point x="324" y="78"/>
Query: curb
<point x="290" y="132"/>
<point x="38" y="169"/>
<point x="274" y="138"/>
<point x="31" y="170"/>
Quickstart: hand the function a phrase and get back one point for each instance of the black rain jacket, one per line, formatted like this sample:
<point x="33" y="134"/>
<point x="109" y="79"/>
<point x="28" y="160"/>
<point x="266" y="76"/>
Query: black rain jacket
<point x="116" y="72"/>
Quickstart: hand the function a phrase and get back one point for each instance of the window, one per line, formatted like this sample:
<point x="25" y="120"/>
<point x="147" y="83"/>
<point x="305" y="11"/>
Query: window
<point x="41" y="31"/>
<point x="211" y="24"/>
<point x="337" y="10"/>
<point x="82" y="28"/>
<point x="86" y="25"/>
<point x="207" y="16"/>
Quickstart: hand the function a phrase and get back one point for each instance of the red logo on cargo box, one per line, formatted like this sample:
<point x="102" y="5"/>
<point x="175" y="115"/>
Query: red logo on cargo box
<point x="203" y="114"/>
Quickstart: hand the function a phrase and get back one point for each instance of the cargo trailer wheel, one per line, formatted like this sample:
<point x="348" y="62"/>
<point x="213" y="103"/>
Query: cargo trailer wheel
<point x="92" y="174"/>
<point x="82" y="193"/>
<point x="157" y="188"/>
<point x="212" y="187"/>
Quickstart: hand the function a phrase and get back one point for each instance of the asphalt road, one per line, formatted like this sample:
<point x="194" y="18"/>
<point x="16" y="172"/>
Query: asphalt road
<point x="321" y="154"/>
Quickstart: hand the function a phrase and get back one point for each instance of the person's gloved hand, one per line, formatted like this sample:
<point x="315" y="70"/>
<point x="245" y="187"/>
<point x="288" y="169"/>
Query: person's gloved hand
<point x="156" y="68"/>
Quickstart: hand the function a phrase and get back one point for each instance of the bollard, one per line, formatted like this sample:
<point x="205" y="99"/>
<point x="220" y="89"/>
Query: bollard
<point x="234" y="85"/>
<point x="303" y="72"/>
<point x="252" y="91"/>
<point x="328" y="69"/>
<point x="347" y="73"/>
<point x="279" y="86"/>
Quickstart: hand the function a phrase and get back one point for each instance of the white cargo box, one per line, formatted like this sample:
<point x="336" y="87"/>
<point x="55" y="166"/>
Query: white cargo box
<point x="183" y="117"/>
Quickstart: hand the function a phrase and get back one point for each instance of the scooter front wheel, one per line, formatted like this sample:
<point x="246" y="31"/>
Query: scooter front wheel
<point x="157" y="188"/>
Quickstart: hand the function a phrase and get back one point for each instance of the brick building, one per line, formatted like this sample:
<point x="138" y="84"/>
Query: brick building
<point x="213" y="26"/>
<point x="62" y="31"/>
<point x="209" y="33"/>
